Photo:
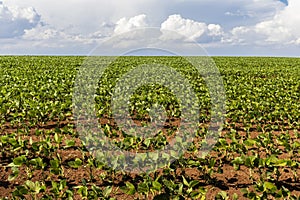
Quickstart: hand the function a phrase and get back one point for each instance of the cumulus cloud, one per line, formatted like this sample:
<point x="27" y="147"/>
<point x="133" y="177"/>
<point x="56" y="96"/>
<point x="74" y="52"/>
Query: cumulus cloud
<point x="125" y="25"/>
<point x="282" y="29"/>
<point x="214" y="30"/>
<point x="239" y="35"/>
<point x="49" y="36"/>
<point x="105" y="30"/>
<point x="43" y="33"/>
<point x="186" y="27"/>
<point x="190" y="29"/>
<point x="285" y="25"/>
<point x="224" y="24"/>
<point x="15" y="20"/>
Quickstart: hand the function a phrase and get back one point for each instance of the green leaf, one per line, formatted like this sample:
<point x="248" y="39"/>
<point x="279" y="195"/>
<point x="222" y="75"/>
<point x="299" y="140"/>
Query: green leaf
<point x="156" y="185"/>
<point x="19" y="160"/>
<point x="270" y="186"/>
<point x="222" y="195"/>
<point x="185" y="181"/>
<point x="129" y="189"/>
<point x="14" y="174"/>
<point x="107" y="191"/>
<point x="143" y="188"/>
<point x="193" y="183"/>
<point x="75" y="164"/>
<point x="235" y="196"/>
<point x="20" y="191"/>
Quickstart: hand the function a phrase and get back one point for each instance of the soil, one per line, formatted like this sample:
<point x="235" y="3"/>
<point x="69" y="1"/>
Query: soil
<point x="230" y="180"/>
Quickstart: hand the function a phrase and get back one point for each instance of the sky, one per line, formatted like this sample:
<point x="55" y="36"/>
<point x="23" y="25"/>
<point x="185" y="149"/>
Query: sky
<point x="77" y="27"/>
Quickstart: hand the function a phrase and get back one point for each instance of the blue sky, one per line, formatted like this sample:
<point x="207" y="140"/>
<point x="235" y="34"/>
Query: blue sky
<point x="284" y="1"/>
<point x="76" y="27"/>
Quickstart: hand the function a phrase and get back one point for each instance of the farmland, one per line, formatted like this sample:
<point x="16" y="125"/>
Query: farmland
<point x="257" y="154"/>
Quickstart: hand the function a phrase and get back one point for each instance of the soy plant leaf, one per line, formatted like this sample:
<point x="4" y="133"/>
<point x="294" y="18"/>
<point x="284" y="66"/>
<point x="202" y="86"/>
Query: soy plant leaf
<point x="147" y="142"/>
<point x="96" y="191"/>
<point x="35" y="187"/>
<point x="37" y="163"/>
<point x="237" y="162"/>
<point x="68" y="194"/>
<point x="251" y="161"/>
<point x="199" y="194"/>
<point x="269" y="186"/>
<point x="169" y="184"/>
<point x="281" y="163"/>
<point x="129" y="188"/>
<point x="20" y="191"/>
<point x="55" y="167"/>
<point x="14" y="174"/>
<point x="82" y="191"/>
<point x="4" y="140"/>
<point x="274" y="161"/>
<point x="107" y="191"/>
<point x="235" y="196"/>
<point x="57" y="137"/>
<point x="76" y="163"/>
<point x="250" y="142"/>
<point x="156" y="186"/>
<point x="296" y="145"/>
<point x="18" y="161"/>
<point x="143" y="188"/>
<point x="222" y="196"/>
<point x="69" y="143"/>
<point x="185" y="182"/>
<point x="193" y="183"/>
<point x="249" y="194"/>
<point x="62" y="185"/>
<point x="54" y="163"/>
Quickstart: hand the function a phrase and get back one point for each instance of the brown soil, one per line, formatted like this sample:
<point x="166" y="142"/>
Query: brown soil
<point x="230" y="180"/>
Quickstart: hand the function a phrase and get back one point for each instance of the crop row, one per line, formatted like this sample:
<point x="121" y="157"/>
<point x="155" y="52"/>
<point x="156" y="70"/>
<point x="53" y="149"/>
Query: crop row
<point x="257" y="154"/>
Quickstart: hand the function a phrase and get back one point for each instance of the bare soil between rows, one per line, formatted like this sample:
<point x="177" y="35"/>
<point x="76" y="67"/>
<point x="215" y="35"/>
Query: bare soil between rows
<point x="230" y="180"/>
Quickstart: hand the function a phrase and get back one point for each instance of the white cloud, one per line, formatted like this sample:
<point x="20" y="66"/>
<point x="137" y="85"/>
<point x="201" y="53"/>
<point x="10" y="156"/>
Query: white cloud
<point x="105" y="30"/>
<point x="239" y="35"/>
<point x="186" y="27"/>
<point x="43" y="33"/>
<point x="240" y="13"/>
<point x="190" y="29"/>
<point x="125" y="25"/>
<point x="15" y="20"/>
<point x="284" y="27"/>
<point x="45" y="36"/>
<point x="224" y="24"/>
<point x="215" y="30"/>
